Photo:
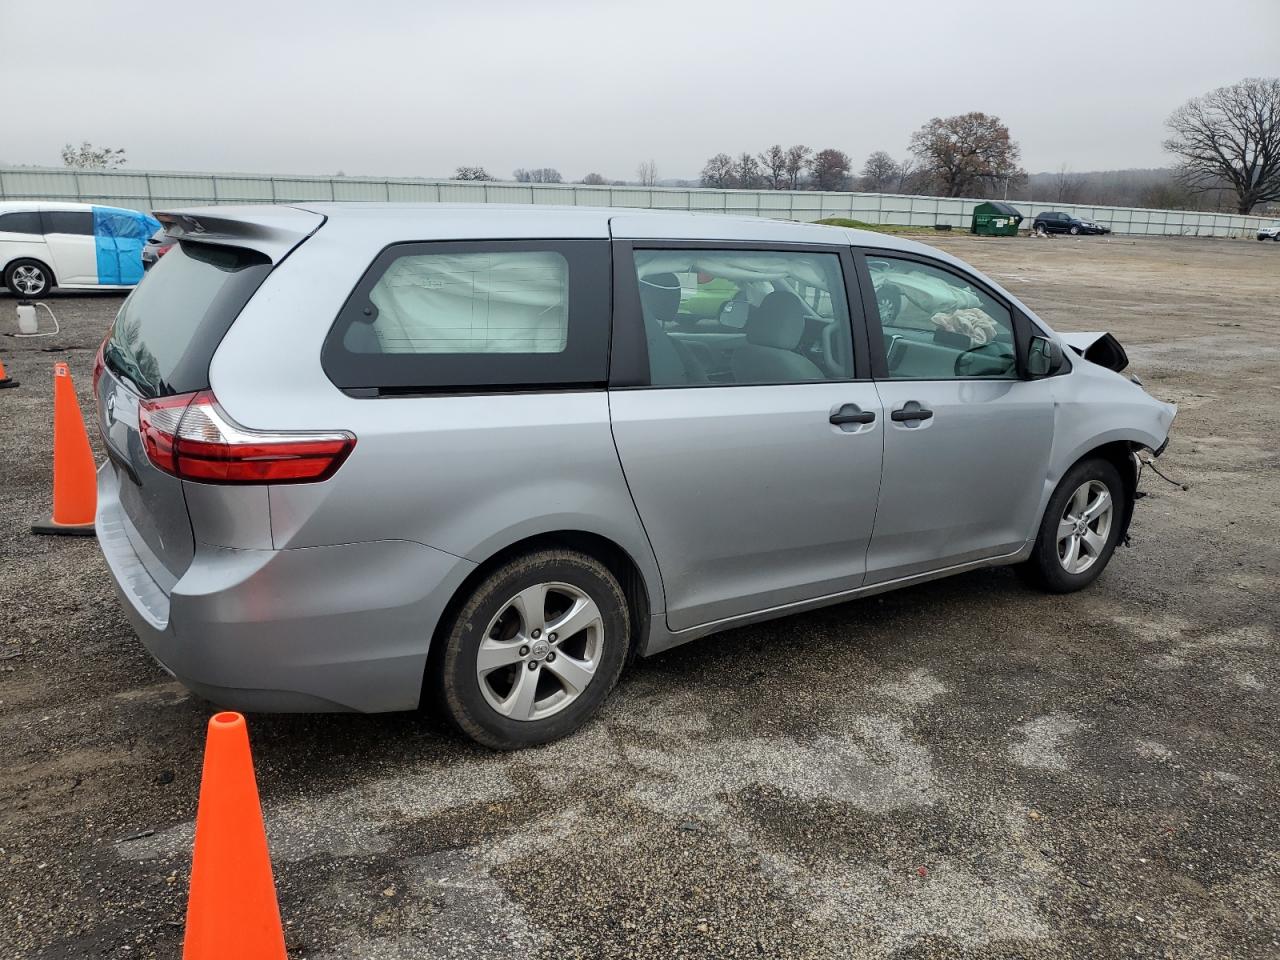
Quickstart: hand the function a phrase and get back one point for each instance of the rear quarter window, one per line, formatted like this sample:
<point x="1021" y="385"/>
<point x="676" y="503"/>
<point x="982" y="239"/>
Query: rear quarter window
<point x="485" y="315"/>
<point x="21" y="221"/>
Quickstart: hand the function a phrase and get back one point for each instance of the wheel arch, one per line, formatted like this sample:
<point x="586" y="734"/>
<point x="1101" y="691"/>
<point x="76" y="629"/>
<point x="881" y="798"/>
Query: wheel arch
<point x="616" y="558"/>
<point x="4" y="270"/>
<point x="1121" y="455"/>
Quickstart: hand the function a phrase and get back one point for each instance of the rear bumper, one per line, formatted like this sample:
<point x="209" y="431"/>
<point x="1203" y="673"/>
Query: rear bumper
<point x="342" y="627"/>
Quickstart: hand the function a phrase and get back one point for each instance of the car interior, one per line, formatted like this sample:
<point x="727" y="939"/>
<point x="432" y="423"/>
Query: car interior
<point x="725" y="319"/>
<point x="937" y="327"/>
<point x="742" y="318"/>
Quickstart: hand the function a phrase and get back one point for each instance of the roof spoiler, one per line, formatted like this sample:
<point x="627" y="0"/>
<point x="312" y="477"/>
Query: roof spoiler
<point x="270" y="230"/>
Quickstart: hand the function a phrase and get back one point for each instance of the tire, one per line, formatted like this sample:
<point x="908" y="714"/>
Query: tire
<point x="1074" y="231"/>
<point x="498" y="708"/>
<point x="1276" y="238"/>
<point x="1041" y="229"/>
<point x="28" y="278"/>
<point x="1047" y="568"/>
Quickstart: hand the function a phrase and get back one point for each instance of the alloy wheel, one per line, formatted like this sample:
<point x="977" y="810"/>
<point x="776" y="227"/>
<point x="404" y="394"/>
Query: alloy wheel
<point x="29" y="280"/>
<point x="1085" y="526"/>
<point x="541" y="650"/>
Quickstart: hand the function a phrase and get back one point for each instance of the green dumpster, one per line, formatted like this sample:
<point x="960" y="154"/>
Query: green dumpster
<point x="995" y="219"/>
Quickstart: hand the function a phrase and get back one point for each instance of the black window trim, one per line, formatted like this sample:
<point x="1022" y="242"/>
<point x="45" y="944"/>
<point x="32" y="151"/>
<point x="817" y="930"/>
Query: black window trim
<point x="1023" y="326"/>
<point x="46" y="218"/>
<point x="581" y="282"/>
<point x="37" y="213"/>
<point x="629" y="356"/>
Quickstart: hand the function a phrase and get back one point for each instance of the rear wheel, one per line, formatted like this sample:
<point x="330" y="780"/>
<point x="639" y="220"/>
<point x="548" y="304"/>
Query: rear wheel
<point x="1080" y="528"/>
<point x="1075" y="231"/>
<point x="535" y="650"/>
<point x="1041" y="231"/>
<point x="28" y="278"/>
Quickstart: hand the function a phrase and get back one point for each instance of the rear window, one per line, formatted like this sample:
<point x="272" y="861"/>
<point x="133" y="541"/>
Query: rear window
<point x="428" y="317"/>
<point x="167" y="330"/>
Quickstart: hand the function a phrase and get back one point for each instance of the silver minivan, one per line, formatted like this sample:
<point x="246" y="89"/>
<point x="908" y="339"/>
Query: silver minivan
<point x="365" y="457"/>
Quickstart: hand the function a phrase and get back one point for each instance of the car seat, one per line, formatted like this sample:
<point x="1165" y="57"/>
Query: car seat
<point x="774" y="330"/>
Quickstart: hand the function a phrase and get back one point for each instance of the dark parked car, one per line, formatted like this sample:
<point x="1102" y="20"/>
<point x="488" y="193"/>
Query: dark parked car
<point x="157" y="246"/>
<point x="1065" y="223"/>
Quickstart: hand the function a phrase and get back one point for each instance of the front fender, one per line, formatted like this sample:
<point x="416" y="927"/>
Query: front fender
<point x="1094" y="407"/>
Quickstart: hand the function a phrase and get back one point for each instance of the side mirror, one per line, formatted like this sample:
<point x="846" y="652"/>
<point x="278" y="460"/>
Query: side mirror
<point x="1044" y="358"/>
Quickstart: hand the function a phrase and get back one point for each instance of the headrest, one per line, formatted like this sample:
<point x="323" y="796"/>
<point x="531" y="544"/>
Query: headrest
<point x="778" y="321"/>
<point x="660" y="296"/>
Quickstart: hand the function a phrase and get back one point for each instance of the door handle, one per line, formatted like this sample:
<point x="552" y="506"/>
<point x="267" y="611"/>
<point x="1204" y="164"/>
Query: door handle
<point x="850" y="413"/>
<point x="905" y="415"/>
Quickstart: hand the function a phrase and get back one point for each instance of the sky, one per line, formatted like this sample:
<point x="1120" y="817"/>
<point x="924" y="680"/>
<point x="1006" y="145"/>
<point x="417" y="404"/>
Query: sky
<point x="403" y="88"/>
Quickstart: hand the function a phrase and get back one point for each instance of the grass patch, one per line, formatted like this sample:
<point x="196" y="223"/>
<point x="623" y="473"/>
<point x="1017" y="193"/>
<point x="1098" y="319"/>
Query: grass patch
<point x="875" y="227"/>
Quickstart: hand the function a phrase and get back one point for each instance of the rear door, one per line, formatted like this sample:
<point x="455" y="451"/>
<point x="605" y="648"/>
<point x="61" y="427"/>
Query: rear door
<point x="69" y="234"/>
<point x="160" y="345"/>
<point x="750" y="434"/>
<point x="966" y="439"/>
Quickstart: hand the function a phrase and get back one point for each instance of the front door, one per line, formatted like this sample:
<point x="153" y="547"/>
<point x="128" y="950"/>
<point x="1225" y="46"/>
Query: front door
<point x="966" y="440"/>
<point x="750" y="444"/>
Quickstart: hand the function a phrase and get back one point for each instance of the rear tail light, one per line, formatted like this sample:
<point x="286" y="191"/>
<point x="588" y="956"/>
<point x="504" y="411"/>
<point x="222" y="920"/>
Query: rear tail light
<point x="190" y="436"/>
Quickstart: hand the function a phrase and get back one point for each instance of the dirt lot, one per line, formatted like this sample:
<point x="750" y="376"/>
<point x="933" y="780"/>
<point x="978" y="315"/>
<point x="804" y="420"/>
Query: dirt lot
<point x="965" y="768"/>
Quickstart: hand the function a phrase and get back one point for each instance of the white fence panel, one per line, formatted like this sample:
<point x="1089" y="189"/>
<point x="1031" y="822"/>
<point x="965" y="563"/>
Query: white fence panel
<point x="146" y="190"/>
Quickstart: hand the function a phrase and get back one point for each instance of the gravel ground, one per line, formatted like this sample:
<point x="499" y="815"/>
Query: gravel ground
<point x="966" y="768"/>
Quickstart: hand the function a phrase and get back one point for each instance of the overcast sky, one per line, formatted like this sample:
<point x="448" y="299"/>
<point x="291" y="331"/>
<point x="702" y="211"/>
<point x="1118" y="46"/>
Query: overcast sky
<point x="416" y="88"/>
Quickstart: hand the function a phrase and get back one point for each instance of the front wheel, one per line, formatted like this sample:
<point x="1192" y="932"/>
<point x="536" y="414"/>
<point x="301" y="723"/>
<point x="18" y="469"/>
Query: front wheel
<point x="1080" y="529"/>
<point x="535" y="650"/>
<point x="1075" y="231"/>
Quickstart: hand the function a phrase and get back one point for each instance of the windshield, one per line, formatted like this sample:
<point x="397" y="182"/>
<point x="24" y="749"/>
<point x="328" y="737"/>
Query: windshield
<point x="166" y="331"/>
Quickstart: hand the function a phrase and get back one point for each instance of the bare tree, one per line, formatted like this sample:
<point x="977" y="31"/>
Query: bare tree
<point x="830" y="170"/>
<point x="538" y="175"/>
<point x="1068" y="187"/>
<point x="879" y="173"/>
<point x="88" y="157"/>
<point x="594" y="180"/>
<point x="797" y="162"/>
<point x="746" y="171"/>
<point x="967" y="151"/>
<point x="471" y="173"/>
<point x="1231" y="136"/>
<point x="773" y="166"/>
<point x="909" y="177"/>
<point x="647" y="173"/>
<point x="718" y="172"/>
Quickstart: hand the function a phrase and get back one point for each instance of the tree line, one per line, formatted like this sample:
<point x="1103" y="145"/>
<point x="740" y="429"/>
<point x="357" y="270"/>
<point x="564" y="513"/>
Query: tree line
<point x="949" y="156"/>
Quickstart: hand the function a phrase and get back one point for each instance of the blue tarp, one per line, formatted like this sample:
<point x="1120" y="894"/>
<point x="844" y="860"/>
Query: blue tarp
<point x="120" y="236"/>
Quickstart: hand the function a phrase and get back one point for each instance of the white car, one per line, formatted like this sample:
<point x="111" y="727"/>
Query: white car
<point x="1269" y="233"/>
<point x="73" y="246"/>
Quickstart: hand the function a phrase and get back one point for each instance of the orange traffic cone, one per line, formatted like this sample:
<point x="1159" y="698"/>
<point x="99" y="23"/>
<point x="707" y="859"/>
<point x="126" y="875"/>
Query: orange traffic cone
<point x="75" y="480"/>
<point x="6" y="381"/>
<point x="232" y="911"/>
